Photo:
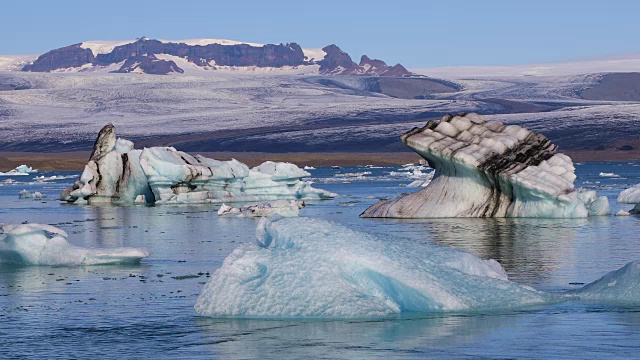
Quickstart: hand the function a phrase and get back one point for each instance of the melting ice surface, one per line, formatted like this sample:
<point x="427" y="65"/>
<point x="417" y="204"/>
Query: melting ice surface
<point x="37" y="244"/>
<point x="306" y="267"/>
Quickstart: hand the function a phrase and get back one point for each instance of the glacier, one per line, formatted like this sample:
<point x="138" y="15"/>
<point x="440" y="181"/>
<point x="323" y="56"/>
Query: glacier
<point x="303" y="267"/>
<point x="119" y="173"/>
<point x="38" y="244"/>
<point x="312" y="268"/>
<point x="486" y="169"/>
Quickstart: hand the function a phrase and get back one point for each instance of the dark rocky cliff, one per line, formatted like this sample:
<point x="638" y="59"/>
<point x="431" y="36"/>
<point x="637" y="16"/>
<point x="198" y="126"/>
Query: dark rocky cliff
<point x="140" y="54"/>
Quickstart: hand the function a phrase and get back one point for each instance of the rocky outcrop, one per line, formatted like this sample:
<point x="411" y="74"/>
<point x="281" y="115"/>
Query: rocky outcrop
<point x="118" y="173"/>
<point x="488" y="169"/>
<point x="72" y="56"/>
<point x="339" y="62"/>
<point x="149" y="65"/>
<point x="140" y="56"/>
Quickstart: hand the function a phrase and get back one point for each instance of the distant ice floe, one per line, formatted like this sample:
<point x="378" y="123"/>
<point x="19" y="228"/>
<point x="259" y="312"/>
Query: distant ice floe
<point x="37" y="244"/>
<point x="309" y="168"/>
<point x="488" y="169"/>
<point x="25" y="194"/>
<point x="610" y="174"/>
<point x="279" y="207"/>
<point x="21" y="170"/>
<point x="311" y="268"/>
<point x="118" y="173"/>
<point x="42" y="178"/>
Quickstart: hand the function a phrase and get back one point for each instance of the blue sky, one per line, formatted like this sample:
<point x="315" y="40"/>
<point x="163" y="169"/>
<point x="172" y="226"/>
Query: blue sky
<point x="415" y="33"/>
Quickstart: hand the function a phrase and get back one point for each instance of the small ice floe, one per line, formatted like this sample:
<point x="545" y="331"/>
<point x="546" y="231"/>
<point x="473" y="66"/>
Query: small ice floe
<point x="25" y="194"/>
<point x="38" y="244"/>
<point x="609" y="174"/>
<point x="309" y="168"/>
<point x="622" y="213"/>
<point x="9" y="182"/>
<point x="279" y="207"/>
<point x="19" y="171"/>
<point x="630" y="195"/>
<point x="43" y="178"/>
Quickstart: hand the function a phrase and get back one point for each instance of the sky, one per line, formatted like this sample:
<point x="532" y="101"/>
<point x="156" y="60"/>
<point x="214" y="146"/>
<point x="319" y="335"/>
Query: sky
<point x="421" y="33"/>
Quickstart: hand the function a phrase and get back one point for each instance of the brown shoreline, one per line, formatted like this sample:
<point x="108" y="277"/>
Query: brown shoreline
<point x="77" y="159"/>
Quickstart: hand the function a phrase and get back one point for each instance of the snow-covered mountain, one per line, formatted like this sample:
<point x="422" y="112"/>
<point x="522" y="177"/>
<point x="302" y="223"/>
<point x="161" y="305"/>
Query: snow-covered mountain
<point x="168" y="56"/>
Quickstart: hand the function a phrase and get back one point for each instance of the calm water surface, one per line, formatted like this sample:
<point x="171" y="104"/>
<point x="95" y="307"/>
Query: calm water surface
<point x="146" y="311"/>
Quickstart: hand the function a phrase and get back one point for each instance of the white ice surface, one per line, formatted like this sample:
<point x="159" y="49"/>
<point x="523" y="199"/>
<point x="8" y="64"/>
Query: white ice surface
<point x="37" y="244"/>
<point x="19" y="171"/>
<point x="630" y="195"/>
<point x="25" y="194"/>
<point x="619" y="286"/>
<point x="302" y="267"/>
<point x="278" y="207"/>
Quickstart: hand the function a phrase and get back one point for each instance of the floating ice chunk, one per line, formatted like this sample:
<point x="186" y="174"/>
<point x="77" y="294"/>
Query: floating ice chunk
<point x="610" y="174"/>
<point x="281" y="170"/>
<point x="622" y="213"/>
<point x="42" y="178"/>
<point x="19" y="171"/>
<point x="630" y="195"/>
<point x="302" y="267"/>
<point x="37" y="244"/>
<point x="279" y="207"/>
<point x="620" y="286"/>
<point x="119" y="173"/>
<point x="309" y="168"/>
<point x="490" y="170"/>
<point x="25" y="194"/>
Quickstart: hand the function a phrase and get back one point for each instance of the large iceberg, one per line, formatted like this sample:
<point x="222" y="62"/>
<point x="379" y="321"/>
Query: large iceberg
<point x="488" y="169"/>
<point x="38" y="244"/>
<point x="118" y="173"/>
<point x="303" y="267"/>
<point x="19" y="171"/>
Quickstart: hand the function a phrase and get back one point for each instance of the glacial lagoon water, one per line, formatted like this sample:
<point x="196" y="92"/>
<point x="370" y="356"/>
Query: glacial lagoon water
<point x="146" y="311"/>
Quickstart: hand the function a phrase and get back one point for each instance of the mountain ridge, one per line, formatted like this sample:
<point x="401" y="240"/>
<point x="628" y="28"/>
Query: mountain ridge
<point x="141" y="56"/>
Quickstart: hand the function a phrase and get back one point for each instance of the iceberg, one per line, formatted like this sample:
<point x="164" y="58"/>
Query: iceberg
<point x="19" y="171"/>
<point x="303" y="267"/>
<point x="119" y="173"/>
<point x="37" y="244"/>
<point x="630" y="195"/>
<point x="25" y="194"/>
<point x="488" y="169"/>
<point x="279" y="207"/>
<point x="619" y="286"/>
<point x="311" y="268"/>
